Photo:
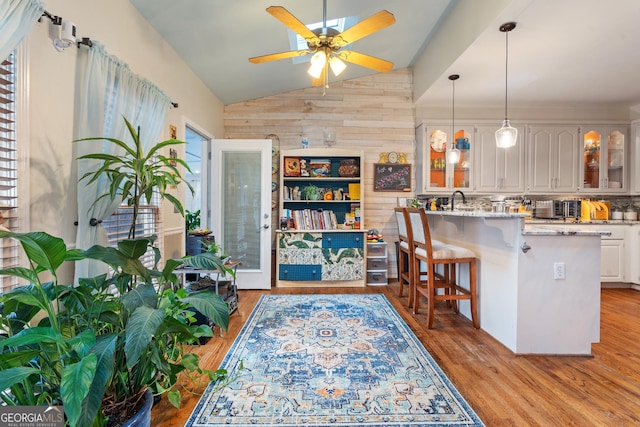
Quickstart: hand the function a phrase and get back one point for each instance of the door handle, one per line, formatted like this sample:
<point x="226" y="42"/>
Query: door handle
<point x="266" y="226"/>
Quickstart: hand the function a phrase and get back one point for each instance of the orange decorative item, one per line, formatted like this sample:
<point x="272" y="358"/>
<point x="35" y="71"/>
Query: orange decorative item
<point x="328" y="195"/>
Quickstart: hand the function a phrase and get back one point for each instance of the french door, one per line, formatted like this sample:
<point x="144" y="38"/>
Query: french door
<point x="240" y="204"/>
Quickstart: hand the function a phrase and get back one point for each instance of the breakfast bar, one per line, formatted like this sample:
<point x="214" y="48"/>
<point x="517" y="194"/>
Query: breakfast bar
<point x="538" y="288"/>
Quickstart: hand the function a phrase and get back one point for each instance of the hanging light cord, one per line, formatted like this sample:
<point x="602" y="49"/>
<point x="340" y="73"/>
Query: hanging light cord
<point x="453" y="112"/>
<point x="506" y="73"/>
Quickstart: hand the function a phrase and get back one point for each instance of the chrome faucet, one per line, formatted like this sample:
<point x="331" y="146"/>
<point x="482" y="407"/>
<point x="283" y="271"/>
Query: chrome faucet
<point x="453" y="197"/>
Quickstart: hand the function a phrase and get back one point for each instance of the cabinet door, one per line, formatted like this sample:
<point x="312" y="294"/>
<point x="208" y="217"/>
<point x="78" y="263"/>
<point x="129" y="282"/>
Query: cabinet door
<point x="612" y="261"/>
<point x="604" y="159"/>
<point x="498" y="169"/>
<point x="634" y="165"/>
<point x="553" y="158"/>
<point x="435" y="141"/>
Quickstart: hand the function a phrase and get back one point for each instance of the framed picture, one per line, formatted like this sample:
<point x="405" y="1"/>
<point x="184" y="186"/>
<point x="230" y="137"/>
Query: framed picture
<point x="291" y="166"/>
<point x="392" y="177"/>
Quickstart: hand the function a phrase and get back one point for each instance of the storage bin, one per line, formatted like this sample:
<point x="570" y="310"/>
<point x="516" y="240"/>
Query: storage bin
<point x="377" y="264"/>
<point x="376" y="249"/>
<point x="376" y="278"/>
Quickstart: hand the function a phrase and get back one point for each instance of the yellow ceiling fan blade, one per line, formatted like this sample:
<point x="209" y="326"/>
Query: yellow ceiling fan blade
<point x="362" y="29"/>
<point x="277" y="56"/>
<point x="284" y="16"/>
<point x="368" y="61"/>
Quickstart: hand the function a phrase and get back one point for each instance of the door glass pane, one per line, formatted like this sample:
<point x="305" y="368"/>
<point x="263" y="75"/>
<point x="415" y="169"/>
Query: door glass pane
<point x="438" y="164"/>
<point x="615" y="176"/>
<point x="591" y="159"/>
<point x="241" y="172"/>
<point x="461" y="170"/>
<point x="194" y="155"/>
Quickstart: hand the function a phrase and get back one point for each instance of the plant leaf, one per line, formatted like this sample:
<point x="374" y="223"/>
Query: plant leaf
<point x="39" y="334"/>
<point x="104" y="350"/>
<point x="13" y="376"/>
<point x="144" y="294"/>
<point x="74" y="386"/>
<point x="210" y="305"/>
<point x="42" y="249"/>
<point x="174" y="398"/>
<point x="140" y="329"/>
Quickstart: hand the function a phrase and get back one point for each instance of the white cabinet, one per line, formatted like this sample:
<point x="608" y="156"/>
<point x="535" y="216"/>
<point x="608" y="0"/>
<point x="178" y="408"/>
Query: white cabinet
<point x="633" y="255"/>
<point x="433" y="173"/>
<point x="554" y="152"/>
<point x="604" y="159"/>
<point x="498" y="169"/>
<point x="634" y="164"/>
<point x="614" y="251"/>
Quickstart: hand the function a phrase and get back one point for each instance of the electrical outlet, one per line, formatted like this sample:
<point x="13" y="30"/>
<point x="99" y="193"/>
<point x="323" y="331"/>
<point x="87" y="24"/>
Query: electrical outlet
<point x="558" y="271"/>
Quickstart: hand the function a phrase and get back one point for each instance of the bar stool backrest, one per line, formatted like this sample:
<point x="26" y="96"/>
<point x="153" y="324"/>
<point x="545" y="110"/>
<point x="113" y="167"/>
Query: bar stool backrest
<point x="420" y="229"/>
<point x="404" y="234"/>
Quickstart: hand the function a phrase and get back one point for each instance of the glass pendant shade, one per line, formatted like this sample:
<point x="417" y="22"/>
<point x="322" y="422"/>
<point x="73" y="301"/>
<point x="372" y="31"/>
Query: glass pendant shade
<point x="337" y="65"/>
<point x="318" y="60"/>
<point x="506" y="136"/>
<point x="453" y="154"/>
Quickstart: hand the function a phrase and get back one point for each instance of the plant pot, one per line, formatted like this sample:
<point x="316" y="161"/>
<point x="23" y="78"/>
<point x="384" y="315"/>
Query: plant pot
<point x="143" y="417"/>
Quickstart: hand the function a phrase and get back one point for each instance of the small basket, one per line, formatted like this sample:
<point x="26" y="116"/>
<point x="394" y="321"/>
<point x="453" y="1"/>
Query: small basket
<point x="349" y="168"/>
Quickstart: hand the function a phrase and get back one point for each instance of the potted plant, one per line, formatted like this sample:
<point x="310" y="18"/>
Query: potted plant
<point x="134" y="174"/>
<point x="105" y="341"/>
<point x="311" y="192"/>
<point x="96" y="351"/>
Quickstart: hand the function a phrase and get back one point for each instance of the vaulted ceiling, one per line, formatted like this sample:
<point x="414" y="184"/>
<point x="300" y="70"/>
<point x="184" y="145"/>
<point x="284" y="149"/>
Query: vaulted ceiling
<point x="562" y="52"/>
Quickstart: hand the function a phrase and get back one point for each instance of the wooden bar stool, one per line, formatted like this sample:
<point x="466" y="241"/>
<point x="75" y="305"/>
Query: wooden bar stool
<point x="449" y="256"/>
<point x="405" y="251"/>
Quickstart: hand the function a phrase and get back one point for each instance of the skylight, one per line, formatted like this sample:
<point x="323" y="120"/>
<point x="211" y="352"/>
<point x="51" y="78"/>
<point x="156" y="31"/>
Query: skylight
<point x="298" y="43"/>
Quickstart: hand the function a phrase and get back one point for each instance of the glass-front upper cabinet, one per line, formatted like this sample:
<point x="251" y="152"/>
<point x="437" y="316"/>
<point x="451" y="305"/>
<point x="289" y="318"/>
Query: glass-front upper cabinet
<point x="433" y="145"/>
<point x="604" y="159"/>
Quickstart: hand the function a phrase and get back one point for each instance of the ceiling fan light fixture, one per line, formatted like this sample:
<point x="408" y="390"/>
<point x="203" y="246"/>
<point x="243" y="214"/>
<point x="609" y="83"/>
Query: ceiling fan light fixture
<point x="506" y="136"/>
<point x="337" y="65"/>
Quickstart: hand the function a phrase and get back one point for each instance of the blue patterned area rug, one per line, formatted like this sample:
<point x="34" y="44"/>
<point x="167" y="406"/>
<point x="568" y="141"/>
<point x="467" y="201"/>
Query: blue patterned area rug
<point x="331" y="360"/>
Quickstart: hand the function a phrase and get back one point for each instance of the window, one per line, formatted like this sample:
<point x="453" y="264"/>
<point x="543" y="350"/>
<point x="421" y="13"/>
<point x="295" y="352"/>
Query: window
<point x="9" y="248"/>
<point x="298" y="43"/>
<point x="148" y="224"/>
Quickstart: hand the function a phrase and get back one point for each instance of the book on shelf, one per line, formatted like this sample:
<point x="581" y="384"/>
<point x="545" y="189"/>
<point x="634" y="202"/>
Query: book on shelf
<point x="312" y="219"/>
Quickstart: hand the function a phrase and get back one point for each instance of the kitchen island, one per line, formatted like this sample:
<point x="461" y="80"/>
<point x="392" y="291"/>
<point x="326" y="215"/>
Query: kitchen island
<point x="538" y="288"/>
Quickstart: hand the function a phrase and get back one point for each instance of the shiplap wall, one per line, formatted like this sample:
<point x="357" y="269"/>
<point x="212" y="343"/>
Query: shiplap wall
<point x="374" y="114"/>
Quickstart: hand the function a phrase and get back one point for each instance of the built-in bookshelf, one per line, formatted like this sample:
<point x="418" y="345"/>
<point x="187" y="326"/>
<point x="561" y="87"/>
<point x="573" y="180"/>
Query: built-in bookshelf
<point x="321" y="234"/>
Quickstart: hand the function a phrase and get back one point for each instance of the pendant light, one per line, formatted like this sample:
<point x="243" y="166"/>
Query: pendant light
<point x="506" y="136"/>
<point x="453" y="154"/>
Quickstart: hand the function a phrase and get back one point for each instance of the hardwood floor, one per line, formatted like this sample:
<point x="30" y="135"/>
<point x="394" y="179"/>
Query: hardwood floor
<point x="504" y="389"/>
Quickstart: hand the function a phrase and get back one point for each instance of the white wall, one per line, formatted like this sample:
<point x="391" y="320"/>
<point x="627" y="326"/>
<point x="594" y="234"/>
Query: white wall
<point x="51" y="84"/>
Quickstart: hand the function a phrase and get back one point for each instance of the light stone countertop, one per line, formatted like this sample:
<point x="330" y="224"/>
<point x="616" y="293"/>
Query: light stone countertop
<point x="560" y="228"/>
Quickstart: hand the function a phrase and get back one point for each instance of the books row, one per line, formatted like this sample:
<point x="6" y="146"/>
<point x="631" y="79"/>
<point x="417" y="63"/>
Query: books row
<point x="311" y="219"/>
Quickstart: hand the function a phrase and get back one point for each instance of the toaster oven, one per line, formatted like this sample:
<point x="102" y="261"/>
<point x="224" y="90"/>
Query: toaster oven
<point x="558" y="209"/>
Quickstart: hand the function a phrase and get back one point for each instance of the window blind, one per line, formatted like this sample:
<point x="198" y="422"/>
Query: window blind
<point x="9" y="249"/>
<point x="148" y="224"/>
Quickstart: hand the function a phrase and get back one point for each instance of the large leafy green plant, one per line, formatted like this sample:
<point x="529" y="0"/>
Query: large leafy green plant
<point x="134" y="174"/>
<point x="97" y="350"/>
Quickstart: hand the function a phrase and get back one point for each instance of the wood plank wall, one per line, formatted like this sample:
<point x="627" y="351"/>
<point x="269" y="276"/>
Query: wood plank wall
<point x="374" y="114"/>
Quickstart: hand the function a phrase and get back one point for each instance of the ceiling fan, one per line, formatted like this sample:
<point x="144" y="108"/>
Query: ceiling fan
<point x="326" y="43"/>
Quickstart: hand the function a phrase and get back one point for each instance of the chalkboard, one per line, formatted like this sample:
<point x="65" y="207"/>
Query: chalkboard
<point x="392" y="177"/>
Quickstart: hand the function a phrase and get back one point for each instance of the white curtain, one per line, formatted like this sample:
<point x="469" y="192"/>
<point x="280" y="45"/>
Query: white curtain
<point x="17" y="17"/>
<point x="107" y="92"/>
